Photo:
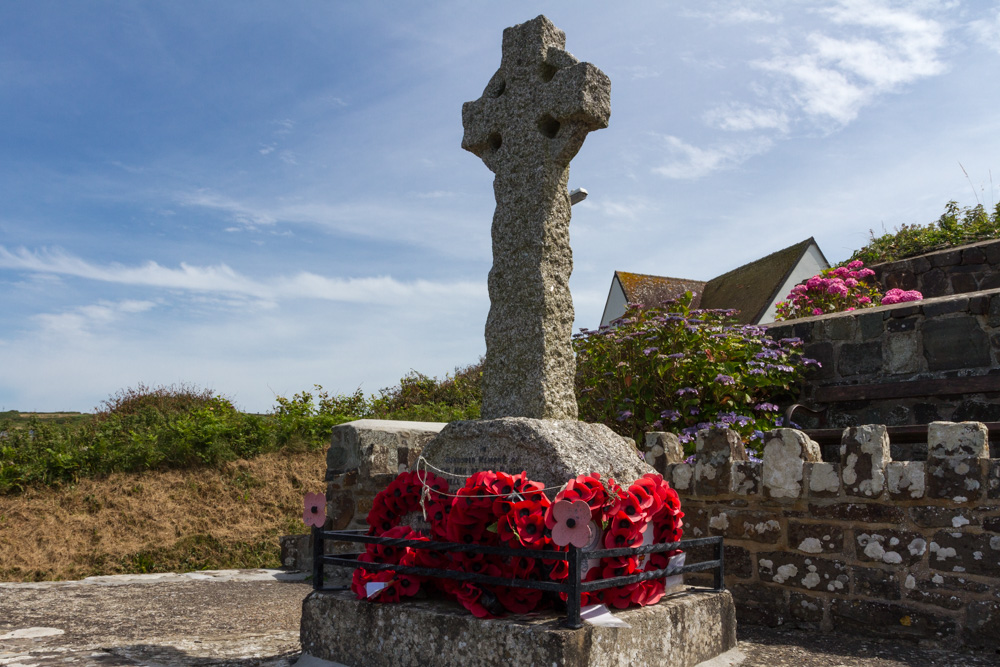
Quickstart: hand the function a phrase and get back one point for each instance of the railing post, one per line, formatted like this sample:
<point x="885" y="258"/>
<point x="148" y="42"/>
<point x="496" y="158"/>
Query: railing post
<point x="720" y="572"/>
<point x="317" y="552"/>
<point x="573" y="620"/>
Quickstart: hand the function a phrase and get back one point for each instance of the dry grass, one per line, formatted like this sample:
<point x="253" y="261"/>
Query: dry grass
<point x="176" y="520"/>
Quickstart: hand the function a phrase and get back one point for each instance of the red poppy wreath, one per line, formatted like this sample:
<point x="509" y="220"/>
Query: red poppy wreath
<point x="495" y="508"/>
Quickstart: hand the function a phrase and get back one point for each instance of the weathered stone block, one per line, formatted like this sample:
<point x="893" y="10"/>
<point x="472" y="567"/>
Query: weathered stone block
<point x="550" y="451"/>
<point x="964" y="440"/>
<point x="860" y="358"/>
<point x="992" y="251"/>
<point x="945" y="258"/>
<point x="864" y="454"/>
<point x="756" y="526"/>
<point x="972" y="410"/>
<point x="900" y="324"/>
<point x="890" y="620"/>
<point x="859" y="512"/>
<point x="955" y="304"/>
<point x="979" y="304"/>
<point x="840" y="328"/>
<point x="890" y="546"/>
<point x="806" y="608"/>
<point x="993" y="480"/>
<point x="870" y="326"/>
<point x="761" y="605"/>
<point x="902" y="277"/>
<point x="964" y="282"/>
<point x="934" y="283"/>
<point x="982" y="625"/>
<point x="958" y="551"/>
<point x="943" y="517"/>
<point x="823" y="479"/>
<point x="949" y="592"/>
<point x="785" y="452"/>
<point x="906" y="479"/>
<point x="903" y="353"/>
<point x="696" y="517"/>
<point x="815" y="538"/>
<point x="957" y="479"/>
<point x="956" y="342"/>
<point x="663" y="448"/>
<point x="973" y="255"/>
<point x="683" y="475"/>
<point x="745" y="477"/>
<point x="371" y="446"/>
<point x="870" y="582"/>
<point x="738" y="563"/>
<point x="803" y="571"/>
<point x="337" y="627"/>
<point x="994" y="312"/>
<point x="900" y="311"/>
<point x="715" y="450"/>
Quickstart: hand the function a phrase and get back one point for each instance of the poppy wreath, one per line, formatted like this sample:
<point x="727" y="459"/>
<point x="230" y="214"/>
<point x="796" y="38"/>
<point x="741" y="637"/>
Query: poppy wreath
<point x="496" y="508"/>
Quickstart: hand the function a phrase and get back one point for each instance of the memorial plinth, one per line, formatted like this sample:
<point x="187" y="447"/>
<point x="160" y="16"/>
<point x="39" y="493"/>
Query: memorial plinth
<point x="550" y="451"/>
<point x="680" y="631"/>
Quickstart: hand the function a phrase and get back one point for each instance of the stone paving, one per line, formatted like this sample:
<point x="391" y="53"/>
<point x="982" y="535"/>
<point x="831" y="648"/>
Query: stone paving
<point x="250" y="618"/>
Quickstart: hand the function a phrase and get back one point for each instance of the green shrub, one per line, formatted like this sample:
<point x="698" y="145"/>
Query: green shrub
<point x="956" y="226"/>
<point x="673" y="369"/>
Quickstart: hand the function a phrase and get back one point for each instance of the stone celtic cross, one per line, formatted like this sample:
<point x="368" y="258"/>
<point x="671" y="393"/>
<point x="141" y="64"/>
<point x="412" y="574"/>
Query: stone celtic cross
<point x="527" y="126"/>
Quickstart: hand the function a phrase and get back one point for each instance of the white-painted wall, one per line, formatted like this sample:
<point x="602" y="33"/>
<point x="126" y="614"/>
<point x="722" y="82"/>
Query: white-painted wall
<point x="812" y="262"/>
<point x="614" y="307"/>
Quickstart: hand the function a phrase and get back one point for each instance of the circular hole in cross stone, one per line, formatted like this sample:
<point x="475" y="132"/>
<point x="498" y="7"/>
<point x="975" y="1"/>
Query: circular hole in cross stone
<point x="497" y="87"/>
<point x="547" y="71"/>
<point x="495" y="141"/>
<point x="548" y="126"/>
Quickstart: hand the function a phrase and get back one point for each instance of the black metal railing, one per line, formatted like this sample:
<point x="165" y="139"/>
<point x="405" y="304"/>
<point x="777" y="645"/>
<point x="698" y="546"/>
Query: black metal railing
<point x="573" y="586"/>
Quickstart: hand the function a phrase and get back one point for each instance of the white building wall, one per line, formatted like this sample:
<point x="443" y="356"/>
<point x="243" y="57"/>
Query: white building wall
<point x="615" y="306"/>
<point x="812" y="262"/>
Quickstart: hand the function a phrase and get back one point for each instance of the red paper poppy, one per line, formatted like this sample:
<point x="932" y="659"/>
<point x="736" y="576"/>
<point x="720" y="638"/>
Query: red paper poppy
<point x="623" y="532"/>
<point x="530" y="522"/>
<point x="628" y="504"/>
<point x="468" y="596"/>
<point x="619" y="597"/>
<point x="519" y="600"/>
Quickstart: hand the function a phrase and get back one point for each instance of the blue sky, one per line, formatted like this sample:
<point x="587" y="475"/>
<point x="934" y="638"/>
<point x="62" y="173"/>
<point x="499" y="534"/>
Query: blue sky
<point x="258" y="197"/>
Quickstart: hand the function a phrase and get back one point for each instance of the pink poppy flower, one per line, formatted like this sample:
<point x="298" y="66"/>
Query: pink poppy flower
<point x="314" y="513"/>
<point x="572" y="523"/>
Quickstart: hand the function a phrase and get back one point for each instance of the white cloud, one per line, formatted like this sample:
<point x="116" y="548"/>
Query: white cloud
<point x="630" y="209"/>
<point x="246" y="215"/>
<point x="84" y="320"/>
<point x="639" y="72"/>
<point x="224" y="280"/>
<point x="743" y="118"/>
<point x="688" y="162"/>
<point x="837" y="75"/>
<point x="987" y="31"/>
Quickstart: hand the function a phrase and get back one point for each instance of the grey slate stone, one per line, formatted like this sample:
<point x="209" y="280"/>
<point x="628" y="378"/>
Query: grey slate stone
<point x="956" y="342"/>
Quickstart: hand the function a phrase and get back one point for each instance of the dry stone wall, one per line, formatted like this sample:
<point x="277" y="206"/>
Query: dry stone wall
<point x="967" y="268"/>
<point x="862" y="544"/>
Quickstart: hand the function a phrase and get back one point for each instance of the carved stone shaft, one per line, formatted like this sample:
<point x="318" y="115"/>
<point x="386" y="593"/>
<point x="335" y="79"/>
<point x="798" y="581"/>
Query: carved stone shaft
<point x="531" y="120"/>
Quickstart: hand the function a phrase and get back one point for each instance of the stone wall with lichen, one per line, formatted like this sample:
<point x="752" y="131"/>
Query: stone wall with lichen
<point x="862" y="544"/>
<point x="907" y="363"/>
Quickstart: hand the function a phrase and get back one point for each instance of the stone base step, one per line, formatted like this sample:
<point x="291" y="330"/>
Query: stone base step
<point x="683" y="630"/>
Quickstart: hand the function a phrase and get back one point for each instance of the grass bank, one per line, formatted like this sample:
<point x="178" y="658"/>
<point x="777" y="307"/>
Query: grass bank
<point x="228" y="516"/>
